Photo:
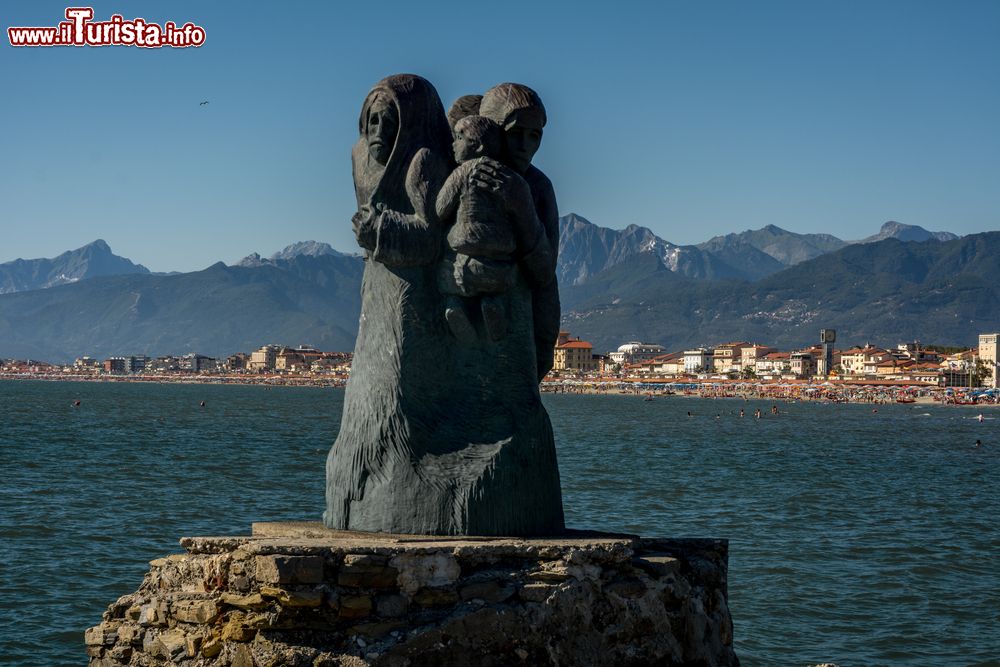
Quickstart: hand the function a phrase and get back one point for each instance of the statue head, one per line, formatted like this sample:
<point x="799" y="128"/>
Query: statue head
<point x="381" y="126"/>
<point x="477" y="136"/>
<point x="520" y="113"/>
<point x="466" y="105"/>
<point x="401" y="115"/>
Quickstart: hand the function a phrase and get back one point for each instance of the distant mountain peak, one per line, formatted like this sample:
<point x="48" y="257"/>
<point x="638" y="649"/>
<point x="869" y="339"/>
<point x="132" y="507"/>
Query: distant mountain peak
<point x="892" y="229"/>
<point x="89" y="261"/>
<point x="290" y="252"/>
<point x="307" y="248"/>
<point x="784" y="247"/>
<point x="252" y="260"/>
<point x="774" y="229"/>
<point x="575" y="218"/>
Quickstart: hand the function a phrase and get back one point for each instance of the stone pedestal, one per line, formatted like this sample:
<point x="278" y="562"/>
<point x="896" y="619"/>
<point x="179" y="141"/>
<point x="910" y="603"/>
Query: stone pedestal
<point x="296" y="593"/>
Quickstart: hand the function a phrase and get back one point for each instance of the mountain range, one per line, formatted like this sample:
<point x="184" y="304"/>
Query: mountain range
<point x="217" y="311"/>
<point x="888" y="291"/>
<point x="92" y="260"/>
<point x="768" y="285"/>
<point x="586" y="249"/>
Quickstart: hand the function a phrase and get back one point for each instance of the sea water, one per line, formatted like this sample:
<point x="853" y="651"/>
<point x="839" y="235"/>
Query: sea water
<point x="856" y="536"/>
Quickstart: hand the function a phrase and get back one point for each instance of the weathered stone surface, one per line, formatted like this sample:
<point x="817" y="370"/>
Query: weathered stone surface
<point x="290" y="569"/>
<point x="120" y="654"/>
<point x="195" y="611"/>
<point x="129" y="633"/>
<point x="355" y="606"/>
<point x="658" y="566"/>
<point x="242" y="657"/>
<point x="153" y="613"/>
<point x="174" y="644"/>
<point x="193" y="644"/>
<point x="94" y="636"/>
<point x="237" y="630"/>
<point x="297" y="598"/>
<point x="251" y="601"/>
<point x="366" y="571"/>
<point x="211" y="648"/>
<point x="375" y="630"/>
<point x="628" y="587"/>
<point x="587" y="599"/>
<point x="435" y="597"/>
<point x="488" y="591"/>
<point x="391" y="606"/>
<point x="419" y="570"/>
<point x="536" y="592"/>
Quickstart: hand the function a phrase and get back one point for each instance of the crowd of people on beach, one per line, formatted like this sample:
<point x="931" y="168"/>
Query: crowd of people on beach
<point x="828" y="392"/>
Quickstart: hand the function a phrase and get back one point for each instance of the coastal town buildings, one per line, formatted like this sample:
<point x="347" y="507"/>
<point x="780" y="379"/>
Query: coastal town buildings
<point x="909" y="362"/>
<point x="333" y="361"/>
<point x="728" y="358"/>
<point x="751" y="353"/>
<point x="574" y="358"/>
<point x="773" y="365"/>
<point x="988" y="355"/>
<point x="328" y="369"/>
<point x="263" y="359"/>
<point x="635" y="352"/>
<point x="237" y="362"/>
<point x="197" y="363"/>
<point x="802" y="364"/>
<point x="87" y="364"/>
<point x="573" y="355"/>
<point x="664" y="364"/>
<point x="862" y="360"/>
<point x="697" y="360"/>
<point x="116" y="365"/>
<point x="164" y="364"/>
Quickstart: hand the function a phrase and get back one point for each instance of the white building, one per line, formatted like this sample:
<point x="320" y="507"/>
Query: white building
<point x="698" y="360"/>
<point x="635" y="352"/>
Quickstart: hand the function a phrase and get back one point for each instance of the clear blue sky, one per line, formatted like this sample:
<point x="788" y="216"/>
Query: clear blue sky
<point x="691" y="118"/>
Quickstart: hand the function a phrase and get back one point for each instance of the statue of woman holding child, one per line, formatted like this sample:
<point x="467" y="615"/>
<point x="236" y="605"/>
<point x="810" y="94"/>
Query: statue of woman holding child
<point x="443" y="430"/>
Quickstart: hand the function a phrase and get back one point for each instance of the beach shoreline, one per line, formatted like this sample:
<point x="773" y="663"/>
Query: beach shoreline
<point x="874" y="392"/>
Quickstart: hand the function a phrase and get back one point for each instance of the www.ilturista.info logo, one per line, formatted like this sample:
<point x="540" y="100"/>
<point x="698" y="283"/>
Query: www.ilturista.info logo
<point x="80" y="30"/>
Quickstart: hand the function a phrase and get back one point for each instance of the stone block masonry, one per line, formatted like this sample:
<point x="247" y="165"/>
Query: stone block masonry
<point x="299" y="594"/>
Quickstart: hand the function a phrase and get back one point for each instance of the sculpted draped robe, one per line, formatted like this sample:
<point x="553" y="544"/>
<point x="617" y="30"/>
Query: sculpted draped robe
<point x="436" y="437"/>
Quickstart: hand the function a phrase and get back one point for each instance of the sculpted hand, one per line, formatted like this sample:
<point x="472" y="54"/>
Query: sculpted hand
<point x="490" y="175"/>
<point x="364" y="224"/>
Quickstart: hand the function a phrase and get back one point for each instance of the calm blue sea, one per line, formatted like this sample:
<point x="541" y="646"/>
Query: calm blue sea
<point x="856" y="537"/>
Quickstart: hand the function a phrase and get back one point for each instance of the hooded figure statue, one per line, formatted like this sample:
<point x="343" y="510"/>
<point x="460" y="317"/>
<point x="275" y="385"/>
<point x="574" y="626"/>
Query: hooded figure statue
<point x="436" y="437"/>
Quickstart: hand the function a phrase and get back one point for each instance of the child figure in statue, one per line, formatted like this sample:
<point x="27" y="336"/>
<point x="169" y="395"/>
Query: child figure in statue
<point x="479" y="265"/>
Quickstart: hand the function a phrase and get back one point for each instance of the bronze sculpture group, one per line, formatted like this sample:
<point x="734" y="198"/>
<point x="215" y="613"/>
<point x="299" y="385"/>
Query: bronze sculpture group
<point x="443" y="429"/>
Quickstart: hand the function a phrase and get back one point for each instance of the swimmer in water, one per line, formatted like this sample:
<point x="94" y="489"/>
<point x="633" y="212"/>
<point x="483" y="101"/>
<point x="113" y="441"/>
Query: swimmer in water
<point x="741" y="412"/>
<point x="980" y="417"/>
<point x="689" y="414"/>
<point x="978" y="443"/>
